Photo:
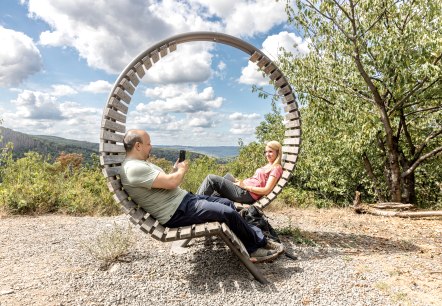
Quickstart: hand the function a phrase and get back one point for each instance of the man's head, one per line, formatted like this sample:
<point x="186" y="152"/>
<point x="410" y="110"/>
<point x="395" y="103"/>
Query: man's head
<point x="137" y="144"/>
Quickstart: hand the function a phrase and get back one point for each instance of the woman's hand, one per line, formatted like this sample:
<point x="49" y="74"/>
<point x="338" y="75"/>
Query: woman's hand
<point x="239" y="183"/>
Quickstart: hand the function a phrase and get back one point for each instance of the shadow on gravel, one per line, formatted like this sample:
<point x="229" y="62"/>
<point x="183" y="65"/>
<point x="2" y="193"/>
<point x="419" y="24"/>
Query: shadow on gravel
<point x="216" y="269"/>
<point x="326" y="244"/>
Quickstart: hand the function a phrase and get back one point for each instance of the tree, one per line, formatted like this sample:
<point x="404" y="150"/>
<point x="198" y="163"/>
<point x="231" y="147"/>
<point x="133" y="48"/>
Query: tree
<point x="371" y="89"/>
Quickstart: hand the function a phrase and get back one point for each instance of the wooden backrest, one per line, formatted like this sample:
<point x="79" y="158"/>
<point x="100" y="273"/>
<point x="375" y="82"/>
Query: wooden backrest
<point x="113" y="124"/>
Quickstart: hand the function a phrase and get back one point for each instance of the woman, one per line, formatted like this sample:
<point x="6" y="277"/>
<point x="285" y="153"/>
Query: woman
<point x="251" y="189"/>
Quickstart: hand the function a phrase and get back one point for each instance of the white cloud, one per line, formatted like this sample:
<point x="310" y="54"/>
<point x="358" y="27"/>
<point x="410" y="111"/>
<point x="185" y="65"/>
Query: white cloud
<point x="240" y="116"/>
<point x="252" y="76"/>
<point x="19" y="57"/>
<point x="272" y="48"/>
<point x="181" y="99"/>
<point x="99" y="86"/>
<point x="109" y="34"/>
<point x="62" y="90"/>
<point x="242" y="129"/>
<point x="246" y="18"/>
<point x="42" y="113"/>
<point x="287" y="41"/>
<point x="37" y="105"/>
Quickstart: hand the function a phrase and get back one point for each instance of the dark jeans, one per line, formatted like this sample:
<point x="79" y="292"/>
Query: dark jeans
<point x="196" y="209"/>
<point x="225" y="188"/>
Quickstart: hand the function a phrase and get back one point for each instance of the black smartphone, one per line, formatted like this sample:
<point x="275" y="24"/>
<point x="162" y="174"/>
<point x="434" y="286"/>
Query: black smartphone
<point x="182" y="156"/>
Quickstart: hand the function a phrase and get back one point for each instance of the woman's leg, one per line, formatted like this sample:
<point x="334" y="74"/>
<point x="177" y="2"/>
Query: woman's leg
<point x="225" y="188"/>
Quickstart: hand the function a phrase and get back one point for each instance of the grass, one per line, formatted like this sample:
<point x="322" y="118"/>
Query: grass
<point x="298" y="236"/>
<point x="110" y="245"/>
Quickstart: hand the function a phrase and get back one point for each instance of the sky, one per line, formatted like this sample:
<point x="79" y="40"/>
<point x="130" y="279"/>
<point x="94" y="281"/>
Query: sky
<point x="60" y="58"/>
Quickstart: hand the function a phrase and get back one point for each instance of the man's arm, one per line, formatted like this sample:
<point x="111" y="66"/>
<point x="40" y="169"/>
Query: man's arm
<point x="172" y="180"/>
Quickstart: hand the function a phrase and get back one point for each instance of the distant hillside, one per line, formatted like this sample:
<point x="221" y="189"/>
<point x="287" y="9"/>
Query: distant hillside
<point x="46" y="145"/>
<point x="221" y="152"/>
<point x="53" y="146"/>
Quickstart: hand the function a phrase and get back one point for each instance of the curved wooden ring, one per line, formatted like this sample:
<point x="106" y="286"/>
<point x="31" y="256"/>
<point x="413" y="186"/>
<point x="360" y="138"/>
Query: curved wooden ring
<point x="113" y="124"/>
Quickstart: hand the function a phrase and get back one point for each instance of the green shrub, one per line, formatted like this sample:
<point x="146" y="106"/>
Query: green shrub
<point x="110" y="245"/>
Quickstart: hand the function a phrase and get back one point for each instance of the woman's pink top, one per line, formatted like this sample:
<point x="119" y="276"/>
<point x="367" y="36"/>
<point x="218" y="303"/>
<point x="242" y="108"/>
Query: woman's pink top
<point x="260" y="178"/>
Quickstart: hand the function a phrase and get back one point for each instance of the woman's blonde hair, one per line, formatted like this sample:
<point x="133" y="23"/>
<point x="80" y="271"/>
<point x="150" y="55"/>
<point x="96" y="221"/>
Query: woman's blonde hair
<point x="274" y="145"/>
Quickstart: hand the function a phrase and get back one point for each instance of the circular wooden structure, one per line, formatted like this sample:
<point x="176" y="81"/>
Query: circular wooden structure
<point x="113" y="124"/>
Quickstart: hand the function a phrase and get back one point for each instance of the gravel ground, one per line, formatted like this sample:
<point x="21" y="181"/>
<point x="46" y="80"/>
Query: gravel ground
<point x="345" y="259"/>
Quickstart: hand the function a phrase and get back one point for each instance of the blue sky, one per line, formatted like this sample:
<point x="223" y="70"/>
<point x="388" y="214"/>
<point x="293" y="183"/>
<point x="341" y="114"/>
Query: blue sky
<point x="59" y="60"/>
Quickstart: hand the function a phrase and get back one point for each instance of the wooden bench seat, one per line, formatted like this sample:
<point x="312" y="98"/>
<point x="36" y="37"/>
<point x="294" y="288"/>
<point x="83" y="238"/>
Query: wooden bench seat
<point x="113" y="127"/>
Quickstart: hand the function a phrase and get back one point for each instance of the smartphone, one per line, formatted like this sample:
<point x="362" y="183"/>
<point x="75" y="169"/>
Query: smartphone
<point x="182" y="156"/>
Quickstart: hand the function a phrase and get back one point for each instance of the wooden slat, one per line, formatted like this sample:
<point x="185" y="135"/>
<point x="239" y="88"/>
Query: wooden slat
<point x="213" y="227"/>
<point x="111" y="171"/>
<point x="286" y="174"/>
<point x="112" y="125"/>
<point x="289" y="98"/>
<point x="148" y="225"/>
<point x="125" y="83"/>
<point x="200" y="230"/>
<point x="112" y="114"/>
<point x="277" y="189"/>
<point x="172" y="46"/>
<point x="163" y="51"/>
<point x="269" y="68"/>
<point x="186" y="232"/>
<point x="172" y="234"/>
<point x="128" y="206"/>
<point x="155" y="56"/>
<point x="282" y="182"/>
<point x="112" y="159"/>
<point x="147" y="62"/>
<point x="111" y="136"/>
<point x="122" y="95"/>
<point x="291" y="133"/>
<point x="282" y="81"/>
<point x="275" y="74"/>
<point x="263" y="61"/>
<point x="113" y="184"/>
<point x="291" y="158"/>
<point x="139" y="69"/>
<point x="271" y="196"/>
<point x="132" y="76"/>
<point x="292" y="141"/>
<point x="115" y="103"/>
<point x="112" y="148"/>
<point x="292" y="124"/>
<point x="255" y="57"/>
<point x="284" y="90"/>
<point x="263" y="201"/>
<point x="138" y="215"/>
<point x="290" y="107"/>
<point x="293" y="116"/>
<point x="288" y="166"/>
<point x="121" y="195"/>
<point x="290" y="149"/>
<point x="158" y="233"/>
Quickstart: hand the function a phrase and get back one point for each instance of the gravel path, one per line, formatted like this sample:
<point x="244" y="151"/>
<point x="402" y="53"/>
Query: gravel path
<point x="43" y="262"/>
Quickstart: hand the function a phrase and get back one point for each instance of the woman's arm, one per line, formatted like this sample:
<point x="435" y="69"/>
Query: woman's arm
<point x="271" y="182"/>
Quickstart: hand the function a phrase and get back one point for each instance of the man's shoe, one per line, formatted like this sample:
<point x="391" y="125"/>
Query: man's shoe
<point x="274" y="245"/>
<point x="263" y="254"/>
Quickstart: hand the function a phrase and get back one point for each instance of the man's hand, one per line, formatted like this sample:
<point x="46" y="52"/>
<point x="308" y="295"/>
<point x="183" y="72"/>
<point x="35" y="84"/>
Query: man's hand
<point x="172" y="180"/>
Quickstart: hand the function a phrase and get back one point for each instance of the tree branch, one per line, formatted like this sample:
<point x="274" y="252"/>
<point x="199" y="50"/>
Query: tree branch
<point x="422" y="146"/>
<point x="410" y="170"/>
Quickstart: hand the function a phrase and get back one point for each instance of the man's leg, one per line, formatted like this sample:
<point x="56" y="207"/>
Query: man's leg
<point x="225" y="188"/>
<point x="201" y="209"/>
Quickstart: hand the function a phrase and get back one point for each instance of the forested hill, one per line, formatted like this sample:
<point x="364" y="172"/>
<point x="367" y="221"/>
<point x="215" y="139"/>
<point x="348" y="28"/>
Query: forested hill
<point x="45" y="145"/>
<point x="53" y="146"/>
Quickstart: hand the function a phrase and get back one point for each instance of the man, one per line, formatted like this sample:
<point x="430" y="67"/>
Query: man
<point x="159" y="194"/>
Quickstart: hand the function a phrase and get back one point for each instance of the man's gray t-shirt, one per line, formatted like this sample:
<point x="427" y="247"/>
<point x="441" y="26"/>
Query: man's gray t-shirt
<point x="137" y="177"/>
